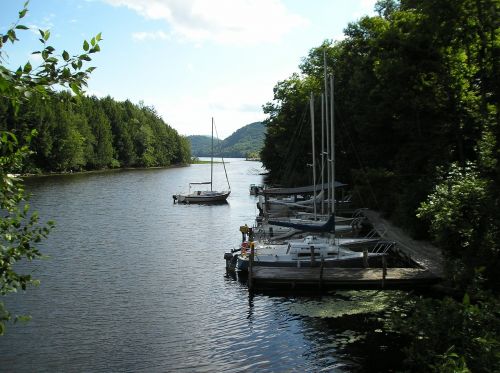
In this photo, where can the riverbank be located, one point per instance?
(61, 173)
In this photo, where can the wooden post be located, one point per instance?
(365, 258)
(250, 267)
(384, 270)
(321, 266)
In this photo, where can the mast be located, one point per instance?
(214, 127)
(334, 210)
(212, 158)
(328, 160)
(313, 154)
(322, 151)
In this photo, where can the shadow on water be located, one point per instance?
(352, 326)
(136, 283)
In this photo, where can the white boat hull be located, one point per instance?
(202, 197)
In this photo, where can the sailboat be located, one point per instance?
(205, 196)
(312, 249)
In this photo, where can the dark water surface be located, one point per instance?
(135, 283)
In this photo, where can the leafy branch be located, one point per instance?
(20, 229)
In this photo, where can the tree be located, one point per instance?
(20, 229)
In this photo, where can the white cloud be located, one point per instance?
(35, 59)
(221, 21)
(232, 106)
(155, 35)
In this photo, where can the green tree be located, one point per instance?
(20, 229)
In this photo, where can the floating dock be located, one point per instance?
(268, 277)
(427, 267)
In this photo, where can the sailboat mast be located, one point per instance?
(328, 163)
(212, 158)
(322, 151)
(333, 144)
(313, 154)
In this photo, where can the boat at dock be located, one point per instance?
(256, 189)
(205, 196)
(306, 252)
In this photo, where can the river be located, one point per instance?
(135, 283)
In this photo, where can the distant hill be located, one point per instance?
(247, 141)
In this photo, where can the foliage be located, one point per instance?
(20, 229)
(54, 71)
(461, 218)
(416, 88)
(417, 132)
(451, 336)
(87, 133)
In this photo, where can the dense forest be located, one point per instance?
(76, 133)
(417, 135)
(245, 142)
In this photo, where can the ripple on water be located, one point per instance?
(136, 283)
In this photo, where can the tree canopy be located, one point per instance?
(417, 132)
(87, 133)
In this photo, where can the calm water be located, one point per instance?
(135, 283)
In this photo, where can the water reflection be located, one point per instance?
(136, 283)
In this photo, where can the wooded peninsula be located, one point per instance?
(79, 133)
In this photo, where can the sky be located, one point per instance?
(189, 59)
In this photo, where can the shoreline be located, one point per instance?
(119, 169)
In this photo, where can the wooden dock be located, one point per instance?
(427, 259)
(423, 253)
(264, 277)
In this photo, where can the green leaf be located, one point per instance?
(12, 35)
(75, 88)
(23, 12)
(98, 37)
(65, 55)
(466, 300)
(85, 45)
(46, 35)
(21, 27)
(3, 84)
(27, 68)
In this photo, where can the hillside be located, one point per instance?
(246, 140)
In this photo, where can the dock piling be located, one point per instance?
(250, 266)
(384, 270)
(365, 258)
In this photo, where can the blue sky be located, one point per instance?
(189, 59)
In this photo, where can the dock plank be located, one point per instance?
(422, 252)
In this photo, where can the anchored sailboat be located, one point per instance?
(206, 196)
